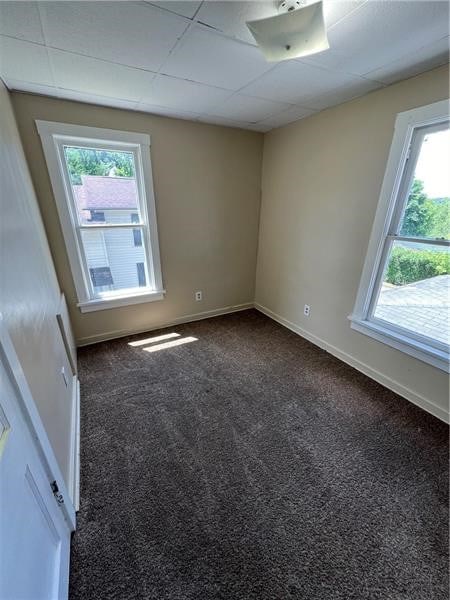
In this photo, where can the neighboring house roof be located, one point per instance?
(105, 193)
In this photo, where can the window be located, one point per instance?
(104, 193)
(102, 278)
(137, 236)
(97, 216)
(141, 273)
(404, 296)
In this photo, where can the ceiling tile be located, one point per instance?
(127, 33)
(290, 115)
(230, 17)
(216, 120)
(95, 99)
(381, 32)
(336, 10)
(24, 61)
(260, 127)
(21, 20)
(248, 109)
(184, 95)
(209, 58)
(343, 94)
(185, 9)
(296, 82)
(167, 112)
(91, 76)
(425, 58)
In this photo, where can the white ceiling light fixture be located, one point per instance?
(298, 30)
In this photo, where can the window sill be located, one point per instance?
(116, 301)
(432, 356)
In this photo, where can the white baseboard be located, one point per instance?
(74, 467)
(110, 335)
(391, 384)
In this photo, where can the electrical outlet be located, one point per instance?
(198, 296)
(306, 310)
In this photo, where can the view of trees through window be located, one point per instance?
(89, 161)
(424, 217)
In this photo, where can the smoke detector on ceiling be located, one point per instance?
(298, 30)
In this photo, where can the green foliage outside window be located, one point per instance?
(88, 161)
(408, 265)
(424, 217)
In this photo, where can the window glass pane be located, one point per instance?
(112, 257)
(103, 183)
(427, 212)
(141, 274)
(415, 289)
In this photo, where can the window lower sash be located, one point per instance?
(404, 342)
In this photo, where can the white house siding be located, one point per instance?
(115, 249)
(95, 249)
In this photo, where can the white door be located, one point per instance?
(34, 527)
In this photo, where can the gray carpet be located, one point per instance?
(250, 464)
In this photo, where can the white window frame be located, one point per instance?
(54, 137)
(400, 168)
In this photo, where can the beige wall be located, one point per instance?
(29, 291)
(207, 186)
(320, 188)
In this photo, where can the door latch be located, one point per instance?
(58, 496)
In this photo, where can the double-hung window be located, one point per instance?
(404, 295)
(103, 188)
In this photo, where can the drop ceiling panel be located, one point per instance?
(167, 112)
(344, 93)
(155, 57)
(296, 82)
(185, 9)
(294, 113)
(216, 120)
(95, 99)
(206, 57)
(127, 33)
(25, 61)
(428, 57)
(381, 32)
(184, 95)
(230, 17)
(21, 20)
(246, 108)
(92, 76)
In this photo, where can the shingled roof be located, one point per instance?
(105, 193)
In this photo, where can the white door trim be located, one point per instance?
(33, 420)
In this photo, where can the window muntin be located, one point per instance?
(103, 184)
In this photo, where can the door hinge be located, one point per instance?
(58, 496)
